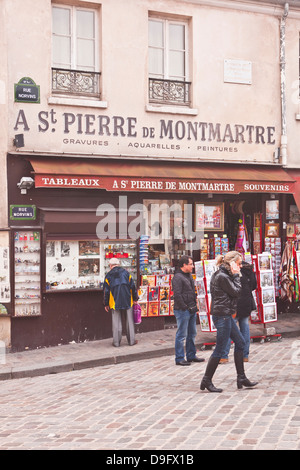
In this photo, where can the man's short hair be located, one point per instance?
(184, 260)
(114, 262)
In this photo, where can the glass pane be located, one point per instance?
(61, 50)
(176, 65)
(85, 54)
(61, 21)
(156, 62)
(156, 33)
(85, 24)
(176, 36)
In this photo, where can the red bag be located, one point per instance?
(137, 314)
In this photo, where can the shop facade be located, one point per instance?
(195, 158)
(61, 252)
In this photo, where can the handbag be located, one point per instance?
(137, 314)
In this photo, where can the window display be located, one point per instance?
(83, 264)
(27, 295)
(4, 269)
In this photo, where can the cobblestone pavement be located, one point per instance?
(154, 405)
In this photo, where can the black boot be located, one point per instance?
(241, 377)
(206, 382)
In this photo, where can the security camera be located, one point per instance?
(25, 183)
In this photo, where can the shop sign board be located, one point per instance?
(159, 184)
(22, 212)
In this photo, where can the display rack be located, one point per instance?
(156, 295)
(203, 271)
(27, 273)
(126, 252)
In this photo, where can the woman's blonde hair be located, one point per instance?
(228, 258)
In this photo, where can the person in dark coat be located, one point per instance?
(225, 287)
(245, 305)
(120, 294)
(185, 311)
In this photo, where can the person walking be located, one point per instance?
(185, 311)
(245, 305)
(225, 287)
(120, 294)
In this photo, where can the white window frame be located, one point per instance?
(73, 34)
(166, 24)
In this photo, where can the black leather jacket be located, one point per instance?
(225, 289)
(183, 290)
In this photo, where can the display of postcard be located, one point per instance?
(268, 295)
(200, 286)
(164, 308)
(143, 294)
(209, 267)
(148, 281)
(172, 307)
(204, 323)
(164, 293)
(153, 294)
(153, 309)
(267, 279)
(269, 313)
(199, 269)
(163, 280)
(264, 261)
(144, 308)
(202, 304)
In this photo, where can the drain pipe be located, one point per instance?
(283, 142)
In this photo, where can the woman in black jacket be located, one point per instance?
(225, 290)
(245, 305)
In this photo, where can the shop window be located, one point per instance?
(83, 264)
(75, 69)
(168, 62)
(166, 231)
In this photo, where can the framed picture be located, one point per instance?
(266, 279)
(204, 323)
(264, 261)
(209, 217)
(290, 230)
(269, 313)
(272, 230)
(294, 215)
(272, 209)
(268, 295)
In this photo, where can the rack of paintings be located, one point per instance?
(204, 269)
(265, 294)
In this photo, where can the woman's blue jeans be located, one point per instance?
(227, 329)
(245, 330)
(186, 332)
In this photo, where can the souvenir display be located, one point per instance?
(27, 274)
(4, 269)
(204, 270)
(265, 294)
(155, 295)
(83, 264)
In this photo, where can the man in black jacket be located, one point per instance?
(185, 303)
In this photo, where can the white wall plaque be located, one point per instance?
(237, 71)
